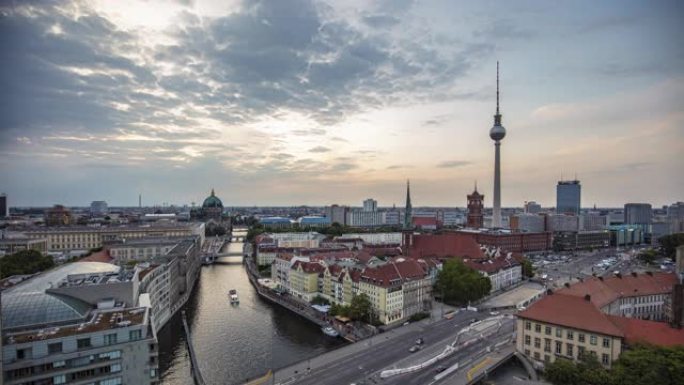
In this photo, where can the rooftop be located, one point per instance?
(571, 311)
(604, 290)
(649, 332)
(97, 322)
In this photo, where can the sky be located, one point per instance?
(311, 102)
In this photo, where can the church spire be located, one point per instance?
(409, 210)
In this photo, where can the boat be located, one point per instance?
(330, 331)
(233, 296)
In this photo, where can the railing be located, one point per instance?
(196, 373)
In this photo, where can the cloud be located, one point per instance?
(453, 163)
(319, 149)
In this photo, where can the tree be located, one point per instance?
(460, 284)
(527, 268)
(648, 256)
(318, 300)
(562, 372)
(670, 244)
(360, 308)
(24, 262)
(649, 365)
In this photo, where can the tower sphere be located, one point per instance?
(497, 132)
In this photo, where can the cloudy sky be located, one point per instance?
(315, 102)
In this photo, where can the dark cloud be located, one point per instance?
(453, 163)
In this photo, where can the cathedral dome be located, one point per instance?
(212, 201)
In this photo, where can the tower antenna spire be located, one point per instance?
(497, 87)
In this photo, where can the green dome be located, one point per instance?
(212, 201)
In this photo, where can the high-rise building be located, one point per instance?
(497, 133)
(532, 207)
(638, 214)
(408, 212)
(568, 197)
(475, 210)
(99, 208)
(337, 214)
(370, 205)
(4, 208)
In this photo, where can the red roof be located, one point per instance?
(650, 332)
(493, 265)
(571, 311)
(100, 256)
(604, 291)
(445, 245)
(309, 267)
(393, 273)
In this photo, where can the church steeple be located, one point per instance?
(409, 210)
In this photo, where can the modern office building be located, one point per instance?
(4, 206)
(393, 217)
(357, 218)
(98, 208)
(532, 207)
(337, 214)
(593, 221)
(497, 133)
(568, 197)
(562, 222)
(370, 205)
(638, 214)
(626, 235)
(79, 323)
(527, 223)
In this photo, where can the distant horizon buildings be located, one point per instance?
(568, 197)
(638, 214)
(99, 208)
(4, 207)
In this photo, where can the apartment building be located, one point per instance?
(304, 279)
(503, 272)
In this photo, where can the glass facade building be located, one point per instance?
(568, 197)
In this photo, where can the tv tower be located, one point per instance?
(497, 133)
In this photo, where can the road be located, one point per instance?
(359, 361)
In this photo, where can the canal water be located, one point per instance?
(235, 343)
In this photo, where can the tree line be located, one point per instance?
(24, 262)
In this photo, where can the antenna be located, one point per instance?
(497, 87)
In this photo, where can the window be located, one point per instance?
(569, 352)
(134, 335)
(537, 328)
(606, 342)
(547, 345)
(547, 330)
(569, 335)
(547, 358)
(55, 348)
(23, 353)
(527, 352)
(61, 379)
(605, 359)
(559, 333)
(537, 342)
(536, 355)
(580, 351)
(59, 364)
(593, 340)
(580, 337)
(527, 340)
(528, 325)
(559, 347)
(112, 381)
(115, 368)
(110, 339)
(83, 343)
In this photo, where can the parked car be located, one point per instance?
(420, 341)
(440, 368)
(414, 348)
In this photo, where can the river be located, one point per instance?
(235, 343)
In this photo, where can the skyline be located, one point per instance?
(311, 102)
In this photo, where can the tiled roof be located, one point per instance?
(445, 245)
(656, 333)
(309, 267)
(604, 291)
(571, 311)
(393, 273)
(493, 265)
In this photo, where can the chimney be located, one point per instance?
(600, 278)
(634, 274)
(549, 291)
(618, 275)
(567, 284)
(650, 273)
(587, 298)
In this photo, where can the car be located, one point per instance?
(472, 321)
(440, 368)
(414, 348)
(420, 341)
(493, 313)
(406, 323)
